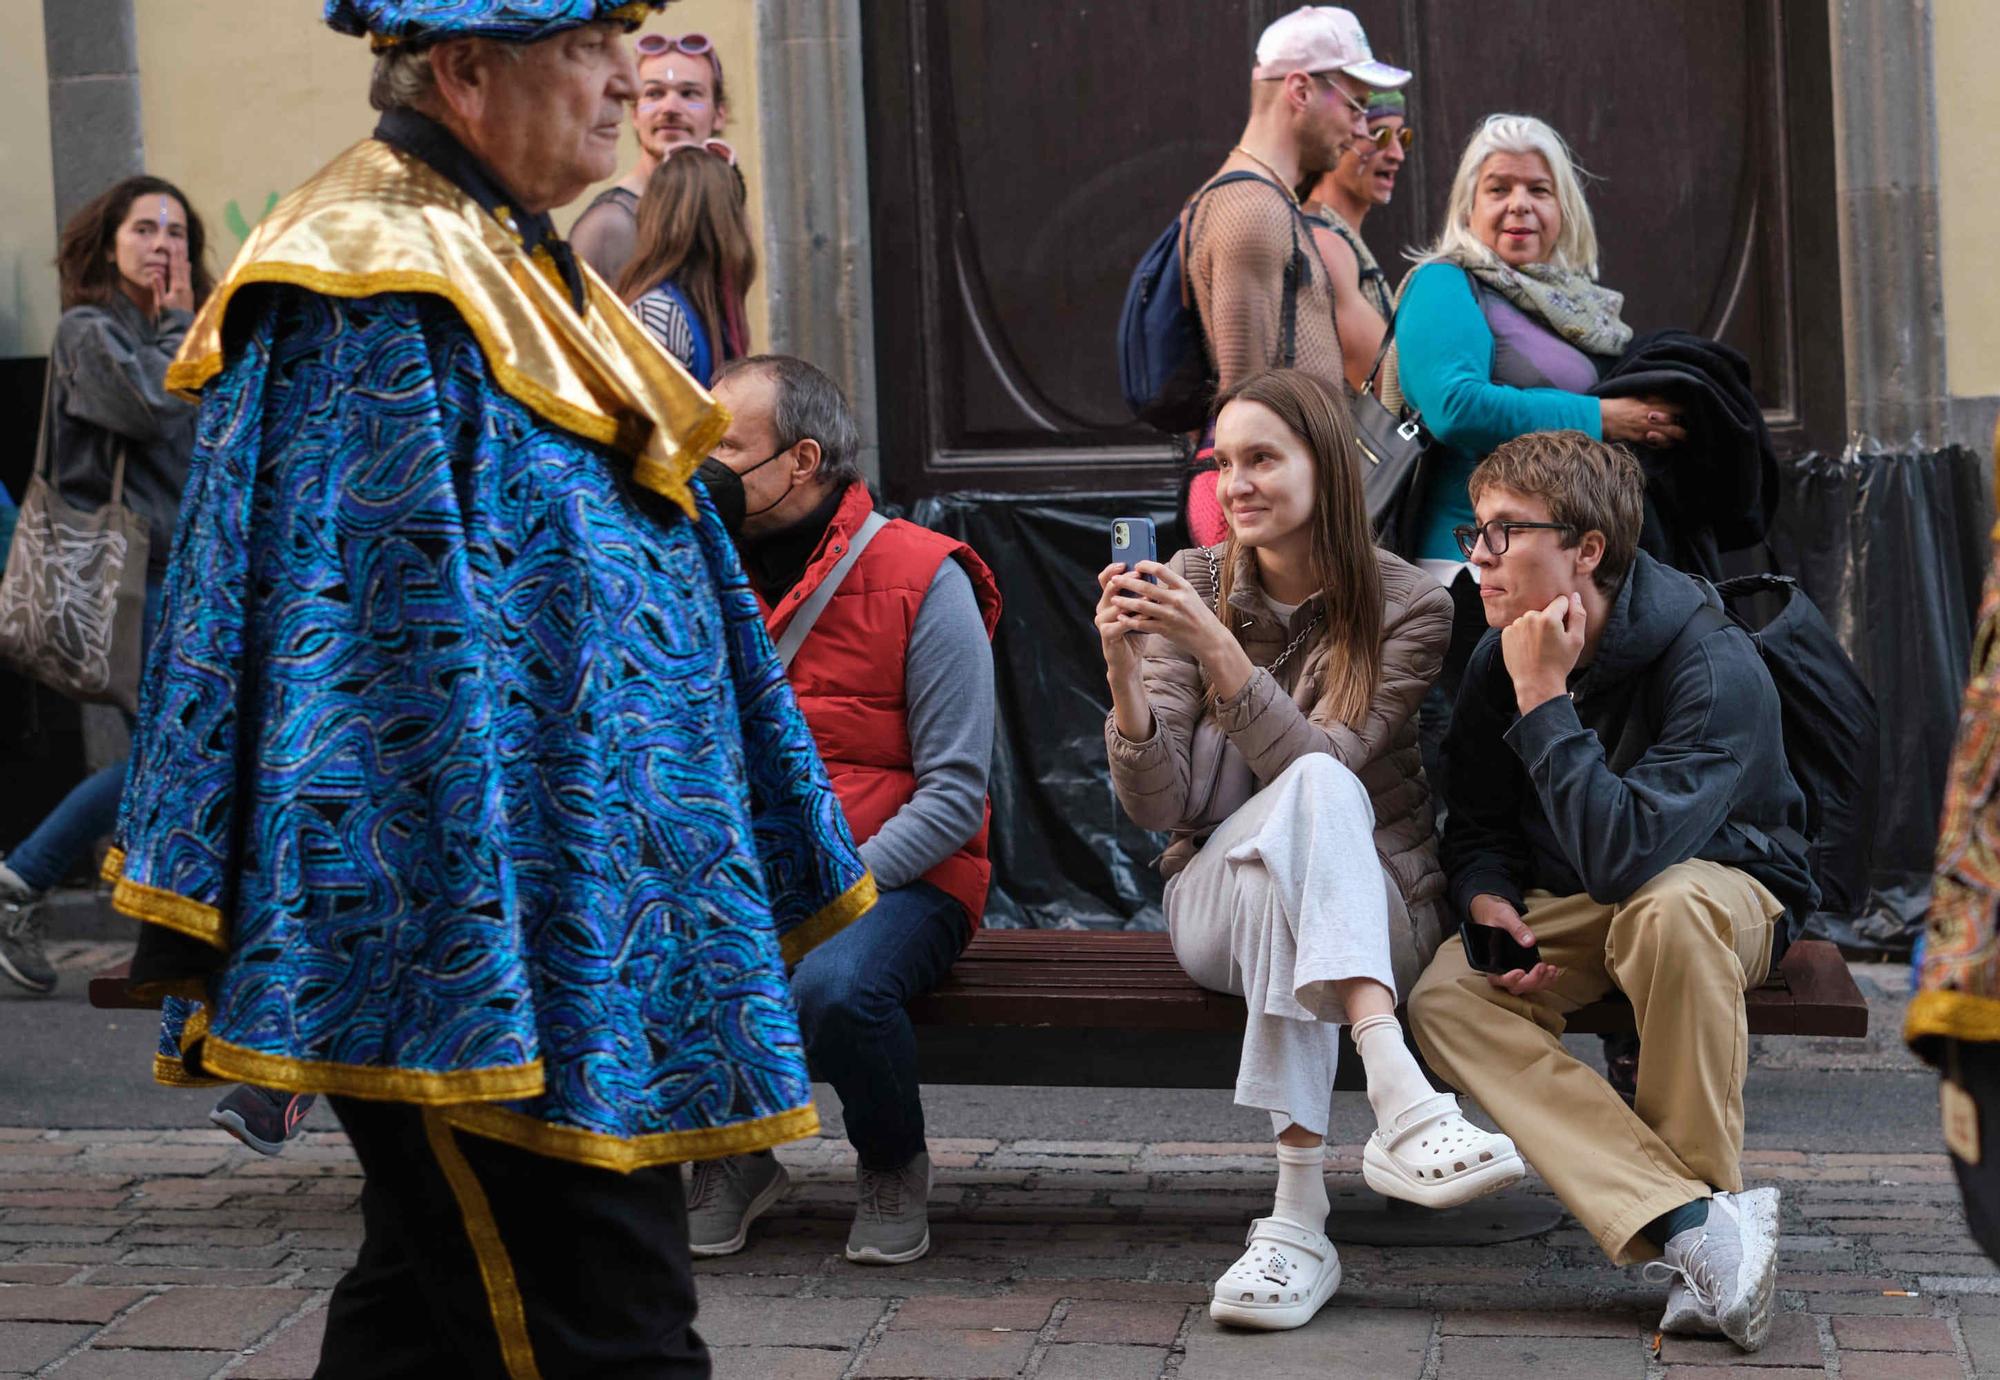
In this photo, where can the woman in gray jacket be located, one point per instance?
(132, 273)
(1264, 694)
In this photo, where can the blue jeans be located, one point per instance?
(851, 992)
(90, 810)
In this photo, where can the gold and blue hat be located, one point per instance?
(390, 22)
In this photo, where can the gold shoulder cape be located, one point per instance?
(379, 220)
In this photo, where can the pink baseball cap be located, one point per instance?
(1322, 38)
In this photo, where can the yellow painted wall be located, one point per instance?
(244, 99)
(1966, 37)
(28, 209)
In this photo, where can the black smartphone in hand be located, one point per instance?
(1489, 949)
(1132, 541)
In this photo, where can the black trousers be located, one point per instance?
(482, 1260)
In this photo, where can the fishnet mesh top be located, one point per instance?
(1239, 242)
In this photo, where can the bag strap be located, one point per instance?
(802, 623)
(1194, 203)
(1388, 339)
(48, 420)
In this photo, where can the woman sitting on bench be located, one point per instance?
(1267, 718)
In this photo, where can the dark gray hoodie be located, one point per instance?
(1534, 802)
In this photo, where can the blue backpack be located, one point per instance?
(1163, 363)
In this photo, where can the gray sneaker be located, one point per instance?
(22, 957)
(1684, 1317)
(1729, 1264)
(892, 1225)
(725, 1196)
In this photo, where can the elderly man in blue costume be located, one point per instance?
(467, 789)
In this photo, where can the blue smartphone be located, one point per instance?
(1133, 541)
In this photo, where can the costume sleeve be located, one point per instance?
(1445, 354)
(117, 381)
(948, 693)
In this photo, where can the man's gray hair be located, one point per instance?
(808, 405)
(404, 79)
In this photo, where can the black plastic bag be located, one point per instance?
(1064, 855)
(1892, 548)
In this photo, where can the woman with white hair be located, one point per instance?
(1502, 330)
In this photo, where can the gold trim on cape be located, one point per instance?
(169, 910)
(1952, 1016)
(421, 1087)
(379, 220)
(496, 1269)
(830, 920)
(625, 1154)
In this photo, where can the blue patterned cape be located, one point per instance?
(465, 772)
(514, 21)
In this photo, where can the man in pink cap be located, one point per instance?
(1262, 293)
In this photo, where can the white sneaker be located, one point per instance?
(1729, 1264)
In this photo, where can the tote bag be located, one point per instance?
(73, 600)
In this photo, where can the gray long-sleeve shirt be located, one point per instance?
(948, 691)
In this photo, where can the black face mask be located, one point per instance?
(725, 491)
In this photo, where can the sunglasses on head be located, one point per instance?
(694, 45)
(721, 148)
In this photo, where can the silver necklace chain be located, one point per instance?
(1215, 584)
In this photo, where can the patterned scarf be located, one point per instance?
(1581, 311)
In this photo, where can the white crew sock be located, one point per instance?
(1396, 1081)
(1302, 1186)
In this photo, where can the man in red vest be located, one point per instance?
(885, 628)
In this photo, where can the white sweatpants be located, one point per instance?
(1286, 899)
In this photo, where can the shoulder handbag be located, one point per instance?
(1392, 453)
(73, 600)
(1219, 779)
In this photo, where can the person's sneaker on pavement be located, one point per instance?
(22, 956)
(1683, 1316)
(262, 1118)
(892, 1224)
(1729, 1264)
(725, 1196)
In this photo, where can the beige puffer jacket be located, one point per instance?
(1273, 721)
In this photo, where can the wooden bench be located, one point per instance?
(1061, 1008)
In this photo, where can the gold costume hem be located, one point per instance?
(1952, 1016)
(168, 909)
(422, 1088)
(496, 1267)
(173, 1073)
(832, 918)
(625, 1154)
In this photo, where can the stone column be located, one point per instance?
(95, 133)
(815, 156)
(1892, 294)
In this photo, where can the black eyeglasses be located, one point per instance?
(1498, 534)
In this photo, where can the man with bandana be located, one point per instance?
(681, 101)
(1339, 200)
(467, 790)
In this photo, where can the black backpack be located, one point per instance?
(1832, 731)
(1163, 363)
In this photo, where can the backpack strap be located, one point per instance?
(1187, 218)
(802, 622)
(1649, 708)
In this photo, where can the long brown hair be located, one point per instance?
(692, 230)
(1344, 563)
(85, 259)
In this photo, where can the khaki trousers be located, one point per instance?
(1684, 949)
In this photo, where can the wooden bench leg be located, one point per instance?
(1359, 1221)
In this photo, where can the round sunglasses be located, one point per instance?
(1386, 136)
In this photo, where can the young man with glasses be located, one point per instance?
(1264, 298)
(1620, 807)
(681, 101)
(1339, 200)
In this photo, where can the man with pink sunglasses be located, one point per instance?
(681, 101)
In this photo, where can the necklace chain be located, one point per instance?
(1215, 583)
(1269, 169)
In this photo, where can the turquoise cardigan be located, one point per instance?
(1444, 352)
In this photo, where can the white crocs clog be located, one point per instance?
(1280, 1282)
(1434, 1157)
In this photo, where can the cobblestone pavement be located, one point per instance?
(161, 1254)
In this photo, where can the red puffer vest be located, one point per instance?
(848, 675)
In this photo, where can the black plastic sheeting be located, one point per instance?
(1064, 855)
(1893, 549)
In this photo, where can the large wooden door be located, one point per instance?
(1023, 153)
